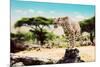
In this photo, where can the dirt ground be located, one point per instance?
(87, 53)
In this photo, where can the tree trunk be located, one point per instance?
(92, 38)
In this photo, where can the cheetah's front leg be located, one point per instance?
(72, 40)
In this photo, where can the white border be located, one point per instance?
(5, 31)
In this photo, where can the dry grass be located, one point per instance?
(87, 53)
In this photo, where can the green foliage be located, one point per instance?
(13, 35)
(63, 45)
(88, 25)
(18, 36)
(21, 22)
(43, 36)
(43, 21)
(23, 36)
(29, 36)
(51, 36)
(39, 35)
(37, 25)
(35, 21)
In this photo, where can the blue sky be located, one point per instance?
(21, 9)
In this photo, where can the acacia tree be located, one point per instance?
(88, 25)
(37, 25)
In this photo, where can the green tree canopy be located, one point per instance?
(37, 25)
(35, 21)
(88, 25)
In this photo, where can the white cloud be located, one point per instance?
(76, 16)
(52, 12)
(80, 17)
(18, 11)
(76, 13)
(40, 12)
(24, 12)
(31, 10)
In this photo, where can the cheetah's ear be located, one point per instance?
(64, 18)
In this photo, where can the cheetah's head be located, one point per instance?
(59, 21)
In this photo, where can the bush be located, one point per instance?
(16, 46)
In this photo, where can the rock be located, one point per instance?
(71, 56)
(30, 60)
(86, 43)
(16, 46)
(19, 64)
(14, 59)
(34, 47)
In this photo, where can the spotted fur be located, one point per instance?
(71, 29)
